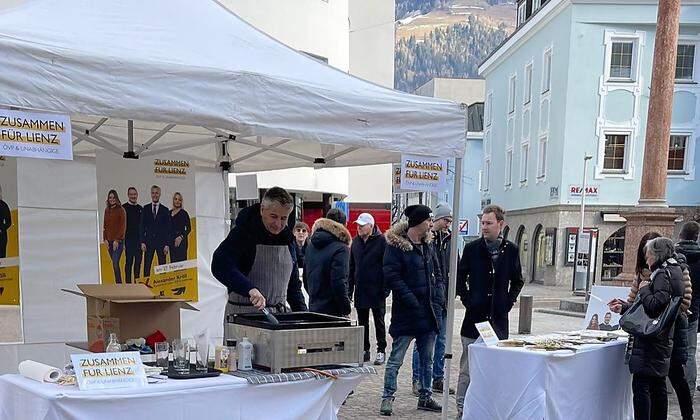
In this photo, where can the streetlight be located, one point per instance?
(581, 271)
(586, 158)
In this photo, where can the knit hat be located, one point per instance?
(443, 210)
(417, 214)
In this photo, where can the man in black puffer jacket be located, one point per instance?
(327, 265)
(412, 272)
(688, 247)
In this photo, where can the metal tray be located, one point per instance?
(193, 374)
(291, 321)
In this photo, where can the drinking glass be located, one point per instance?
(201, 357)
(162, 350)
(181, 355)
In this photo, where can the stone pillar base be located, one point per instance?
(640, 221)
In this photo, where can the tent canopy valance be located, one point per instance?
(205, 76)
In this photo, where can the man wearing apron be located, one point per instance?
(257, 261)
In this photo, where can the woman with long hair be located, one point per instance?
(593, 324)
(649, 358)
(180, 222)
(113, 231)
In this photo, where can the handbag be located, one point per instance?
(636, 321)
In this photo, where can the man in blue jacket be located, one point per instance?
(257, 262)
(412, 272)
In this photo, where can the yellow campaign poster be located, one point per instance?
(148, 229)
(9, 233)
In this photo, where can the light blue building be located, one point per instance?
(573, 80)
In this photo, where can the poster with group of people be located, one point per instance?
(9, 237)
(598, 315)
(148, 230)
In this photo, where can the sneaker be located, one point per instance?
(386, 409)
(379, 360)
(416, 388)
(439, 385)
(367, 356)
(429, 404)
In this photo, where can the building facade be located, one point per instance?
(354, 36)
(573, 81)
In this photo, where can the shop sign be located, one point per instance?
(35, 135)
(423, 173)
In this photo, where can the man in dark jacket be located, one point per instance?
(441, 244)
(412, 272)
(256, 262)
(367, 281)
(489, 280)
(688, 246)
(327, 265)
(5, 223)
(301, 236)
(155, 231)
(133, 252)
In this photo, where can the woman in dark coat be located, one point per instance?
(676, 374)
(180, 222)
(650, 357)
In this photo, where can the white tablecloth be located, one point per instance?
(223, 397)
(514, 383)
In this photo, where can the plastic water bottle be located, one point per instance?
(113, 346)
(245, 354)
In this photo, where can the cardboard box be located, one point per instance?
(129, 310)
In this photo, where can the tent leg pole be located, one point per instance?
(452, 287)
(129, 154)
(225, 164)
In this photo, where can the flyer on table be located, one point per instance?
(148, 230)
(9, 233)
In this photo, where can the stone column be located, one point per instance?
(653, 213)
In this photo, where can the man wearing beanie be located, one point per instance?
(441, 237)
(327, 265)
(489, 280)
(412, 272)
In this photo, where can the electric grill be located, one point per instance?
(301, 339)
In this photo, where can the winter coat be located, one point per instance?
(413, 274)
(327, 268)
(488, 291)
(651, 356)
(234, 258)
(442, 244)
(367, 272)
(691, 251)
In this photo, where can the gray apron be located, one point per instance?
(270, 274)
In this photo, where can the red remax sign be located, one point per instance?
(576, 190)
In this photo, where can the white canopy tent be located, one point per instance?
(146, 77)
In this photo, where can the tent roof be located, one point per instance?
(197, 65)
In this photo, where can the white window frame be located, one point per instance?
(637, 40)
(524, 162)
(688, 172)
(508, 173)
(527, 117)
(536, 4)
(626, 172)
(542, 158)
(547, 64)
(489, 108)
(527, 83)
(510, 134)
(512, 88)
(521, 13)
(486, 176)
(690, 40)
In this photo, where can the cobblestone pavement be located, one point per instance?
(364, 404)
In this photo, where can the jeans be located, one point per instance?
(115, 255)
(438, 354)
(679, 382)
(378, 314)
(425, 344)
(649, 397)
(133, 260)
(691, 370)
(463, 381)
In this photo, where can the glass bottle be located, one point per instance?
(113, 346)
